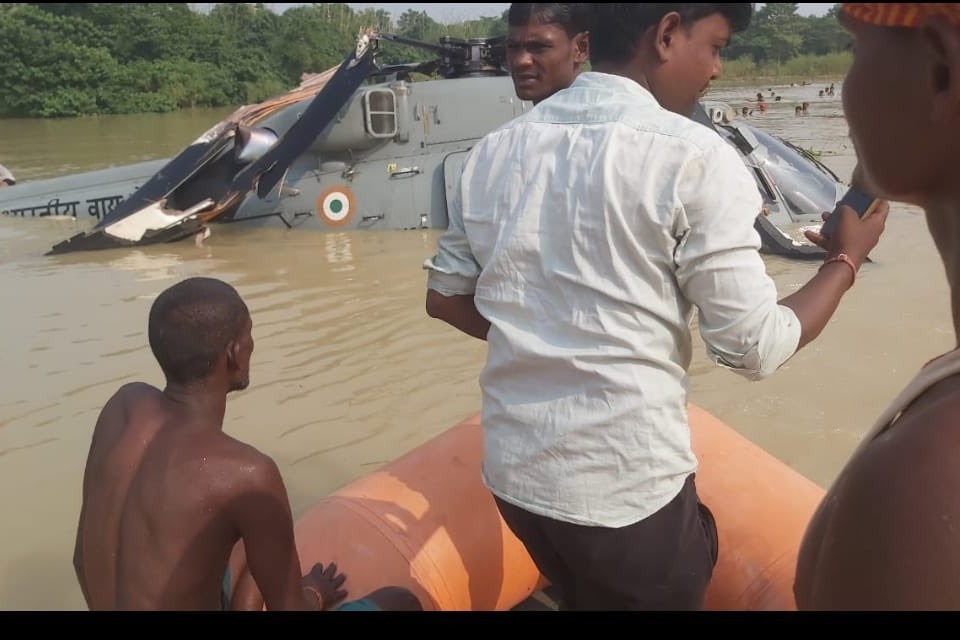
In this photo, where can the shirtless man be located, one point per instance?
(167, 495)
(547, 44)
(885, 536)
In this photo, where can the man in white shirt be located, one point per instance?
(546, 46)
(581, 238)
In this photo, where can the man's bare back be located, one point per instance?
(167, 495)
(175, 482)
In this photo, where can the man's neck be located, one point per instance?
(205, 404)
(631, 71)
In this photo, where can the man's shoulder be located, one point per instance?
(130, 399)
(681, 129)
(922, 443)
(497, 133)
(633, 120)
(242, 459)
(932, 419)
(623, 103)
(134, 391)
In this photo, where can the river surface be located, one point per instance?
(348, 371)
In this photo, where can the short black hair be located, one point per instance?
(191, 324)
(573, 17)
(617, 27)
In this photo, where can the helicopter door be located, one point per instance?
(452, 167)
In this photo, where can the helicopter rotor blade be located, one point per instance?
(435, 48)
(426, 68)
(267, 172)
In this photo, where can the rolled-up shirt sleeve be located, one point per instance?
(720, 270)
(453, 270)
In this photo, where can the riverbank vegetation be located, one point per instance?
(64, 60)
(803, 67)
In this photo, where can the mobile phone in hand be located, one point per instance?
(860, 202)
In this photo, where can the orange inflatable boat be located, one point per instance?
(426, 522)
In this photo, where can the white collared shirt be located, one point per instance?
(589, 229)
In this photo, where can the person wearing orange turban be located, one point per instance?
(887, 534)
(901, 14)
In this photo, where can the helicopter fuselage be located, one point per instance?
(389, 160)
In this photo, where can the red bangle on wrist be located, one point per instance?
(842, 257)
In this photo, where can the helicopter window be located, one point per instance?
(381, 108)
(806, 184)
(789, 161)
(762, 179)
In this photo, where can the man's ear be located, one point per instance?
(942, 41)
(233, 355)
(666, 34)
(581, 46)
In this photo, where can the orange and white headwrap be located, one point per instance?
(901, 14)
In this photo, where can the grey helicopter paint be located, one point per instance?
(371, 150)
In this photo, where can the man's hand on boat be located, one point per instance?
(325, 583)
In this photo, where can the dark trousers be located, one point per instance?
(662, 563)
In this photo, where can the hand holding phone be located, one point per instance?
(861, 203)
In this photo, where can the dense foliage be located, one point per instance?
(62, 59)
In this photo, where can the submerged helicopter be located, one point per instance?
(362, 146)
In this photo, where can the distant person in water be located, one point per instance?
(547, 45)
(6, 178)
(167, 495)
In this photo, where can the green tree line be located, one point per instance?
(777, 34)
(76, 59)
